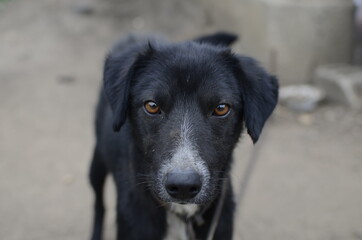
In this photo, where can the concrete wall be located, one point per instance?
(290, 37)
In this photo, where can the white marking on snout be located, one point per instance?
(186, 156)
(186, 130)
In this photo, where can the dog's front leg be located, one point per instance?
(141, 221)
(97, 177)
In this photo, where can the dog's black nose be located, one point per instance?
(183, 185)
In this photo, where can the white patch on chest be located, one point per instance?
(176, 227)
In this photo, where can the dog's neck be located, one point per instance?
(181, 228)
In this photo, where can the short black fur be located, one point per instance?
(188, 80)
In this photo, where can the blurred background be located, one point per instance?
(303, 180)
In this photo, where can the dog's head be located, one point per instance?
(187, 104)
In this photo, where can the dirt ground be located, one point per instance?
(306, 182)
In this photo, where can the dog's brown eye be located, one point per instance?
(152, 107)
(221, 110)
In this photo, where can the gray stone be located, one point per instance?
(290, 37)
(341, 82)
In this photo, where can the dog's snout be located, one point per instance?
(183, 185)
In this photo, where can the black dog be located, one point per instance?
(177, 111)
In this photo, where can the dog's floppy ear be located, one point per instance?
(219, 39)
(259, 94)
(119, 69)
